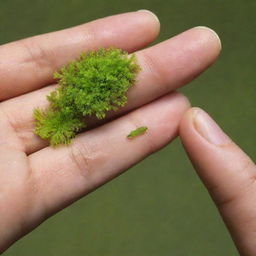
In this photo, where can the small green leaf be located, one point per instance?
(137, 132)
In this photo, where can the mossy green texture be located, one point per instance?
(92, 85)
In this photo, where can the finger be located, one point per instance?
(165, 67)
(35, 59)
(65, 174)
(228, 173)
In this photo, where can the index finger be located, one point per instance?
(28, 64)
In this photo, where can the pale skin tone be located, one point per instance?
(228, 174)
(37, 181)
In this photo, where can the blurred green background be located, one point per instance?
(158, 207)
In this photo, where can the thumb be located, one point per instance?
(227, 172)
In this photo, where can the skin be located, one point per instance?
(36, 180)
(228, 174)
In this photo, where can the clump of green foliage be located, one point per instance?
(92, 85)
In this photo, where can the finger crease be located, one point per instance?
(38, 56)
(81, 156)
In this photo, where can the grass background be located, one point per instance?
(158, 207)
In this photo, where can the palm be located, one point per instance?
(37, 180)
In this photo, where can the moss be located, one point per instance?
(91, 86)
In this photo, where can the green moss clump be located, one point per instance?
(94, 84)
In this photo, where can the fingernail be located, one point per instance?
(154, 15)
(208, 129)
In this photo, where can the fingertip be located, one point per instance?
(171, 108)
(187, 131)
(187, 118)
(152, 21)
(209, 37)
(183, 106)
(174, 105)
(212, 33)
(152, 14)
(182, 101)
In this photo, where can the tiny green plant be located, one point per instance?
(92, 85)
(137, 132)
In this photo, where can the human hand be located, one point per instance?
(227, 172)
(36, 180)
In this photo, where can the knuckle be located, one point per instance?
(249, 170)
(83, 158)
(36, 54)
(89, 34)
(151, 66)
